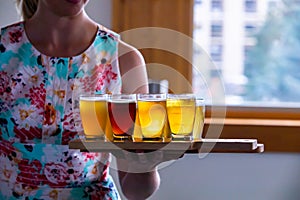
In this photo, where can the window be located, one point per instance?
(250, 6)
(217, 5)
(198, 2)
(260, 63)
(216, 29)
(216, 52)
(250, 30)
(273, 121)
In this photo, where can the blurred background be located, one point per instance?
(253, 47)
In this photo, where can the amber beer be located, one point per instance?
(181, 114)
(93, 113)
(122, 112)
(152, 115)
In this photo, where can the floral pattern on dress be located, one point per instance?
(39, 116)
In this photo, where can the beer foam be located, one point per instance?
(121, 101)
(93, 98)
(152, 100)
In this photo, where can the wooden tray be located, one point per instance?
(196, 146)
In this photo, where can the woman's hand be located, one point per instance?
(138, 173)
(141, 161)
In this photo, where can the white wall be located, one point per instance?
(100, 11)
(8, 12)
(265, 176)
(232, 177)
(218, 176)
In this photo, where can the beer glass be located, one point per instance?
(199, 118)
(152, 115)
(122, 111)
(181, 115)
(93, 113)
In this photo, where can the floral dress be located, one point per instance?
(39, 115)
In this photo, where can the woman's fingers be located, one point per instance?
(140, 161)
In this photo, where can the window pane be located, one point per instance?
(256, 56)
(250, 29)
(216, 52)
(217, 5)
(216, 29)
(250, 6)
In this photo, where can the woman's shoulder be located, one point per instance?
(12, 34)
(106, 33)
(16, 25)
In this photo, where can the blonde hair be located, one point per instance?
(27, 8)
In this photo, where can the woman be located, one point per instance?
(42, 60)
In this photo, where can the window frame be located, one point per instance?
(278, 128)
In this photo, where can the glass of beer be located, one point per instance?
(93, 113)
(122, 112)
(181, 115)
(199, 118)
(152, 116)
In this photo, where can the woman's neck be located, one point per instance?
(60, 36)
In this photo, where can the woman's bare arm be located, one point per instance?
(133, 70)
(134, 80)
